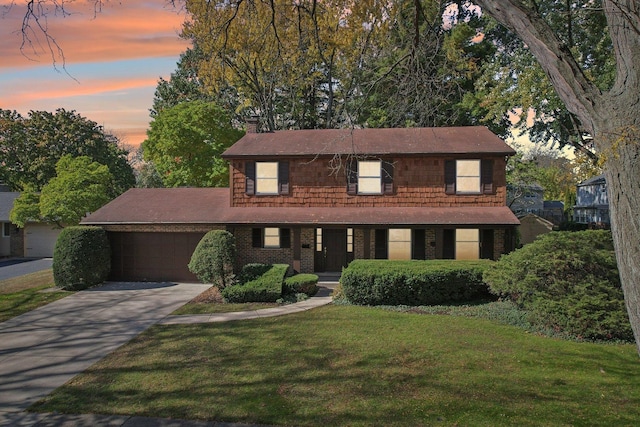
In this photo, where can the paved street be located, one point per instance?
(18, 267)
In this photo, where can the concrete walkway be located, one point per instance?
(43, 349)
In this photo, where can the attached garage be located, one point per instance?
(152, 256)
(39, 240)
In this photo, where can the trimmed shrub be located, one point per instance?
(265, 288)
(301, 284)
(251, 272)
(384, 282)
(568, 283)
(81, 258)
(212, 260)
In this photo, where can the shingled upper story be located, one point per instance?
(316, 199)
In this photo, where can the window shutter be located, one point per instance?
(449, 244)
(450, 177)
(352, 178)
(419, 244)
(387, 177)
(256, 237)
(486, 244)
(381, 244)
(285, 238)
(283, 178)
(250, 177)
(486, 176)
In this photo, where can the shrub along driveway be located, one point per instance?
(42, 349)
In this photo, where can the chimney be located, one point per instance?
(252, 124)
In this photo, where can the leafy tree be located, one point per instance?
(80, 186)
(31, 146)
(607, 111)
(212, 260)
(185, 143)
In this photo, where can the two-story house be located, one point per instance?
(592, 203)
(317, 199)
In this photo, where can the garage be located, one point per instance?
(152, 256)
(39, 240)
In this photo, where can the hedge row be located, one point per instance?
(265, 288)
(383, 282)
(301, 284)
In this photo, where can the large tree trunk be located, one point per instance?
(612, 118)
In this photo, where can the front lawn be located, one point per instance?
(350, 366)
(25, 293)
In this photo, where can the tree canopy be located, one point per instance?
(31, 146)
(185, 142)
(79, 187)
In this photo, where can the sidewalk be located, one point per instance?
(42, 349)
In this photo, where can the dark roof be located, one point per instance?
(553, 204)
(212, 206)
(472, 140)
(596, 180)
(6, 204)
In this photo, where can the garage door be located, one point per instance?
(156, 257)
(39, 240)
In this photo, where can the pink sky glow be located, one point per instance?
(112, 62)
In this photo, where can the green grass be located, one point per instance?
(212, 308)
(27, 281)
(358, 366)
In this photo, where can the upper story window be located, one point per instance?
(370, 177)
(266, 178)
(468, 176)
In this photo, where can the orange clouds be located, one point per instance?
(131, 29)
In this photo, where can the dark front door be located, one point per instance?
(334, 250)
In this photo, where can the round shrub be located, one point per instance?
(301, 284)
(212, 260)
(568, 283)
(81, 258)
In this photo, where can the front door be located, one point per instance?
(331, 252)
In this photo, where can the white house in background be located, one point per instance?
(36, 240)
(592, 203)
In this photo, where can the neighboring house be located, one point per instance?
(525, 199)
(532, 226)
(36, 240)
(592, 203)
(317, 199)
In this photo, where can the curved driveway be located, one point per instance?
(42, 349)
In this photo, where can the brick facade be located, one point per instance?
(417, 181)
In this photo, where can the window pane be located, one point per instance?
(319, 239)
(271, 237)
(399, 243)
(349, 240)
(369, 168)
(267, 177)
(468, 176)
(467, 243)
(369, 185)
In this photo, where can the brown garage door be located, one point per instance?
(152, 256)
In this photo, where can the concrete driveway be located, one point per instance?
(18, 266)
(43, 349)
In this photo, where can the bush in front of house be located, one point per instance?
(265, 288)
(301, 284)
(568, 283)
(81, 258)
(212, 260)
(385, 282)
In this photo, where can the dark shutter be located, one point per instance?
(387, 177)
(285, 238)
(381, 244)
(250, 177)
(283, 178)
(352, 178)
(450, 176)
(486, 176)
(486, 240)
(449, 244)
(419, 242)
(256, 237)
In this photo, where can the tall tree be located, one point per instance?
(80, 186)
(185, 143)
(31, 146)
(611, 115)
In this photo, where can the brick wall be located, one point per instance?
(418, 181)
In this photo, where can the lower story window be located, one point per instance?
(399, 243)
(467, 243)
(271, 238)
(6, 229)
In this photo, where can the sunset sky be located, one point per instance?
(113, 61)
